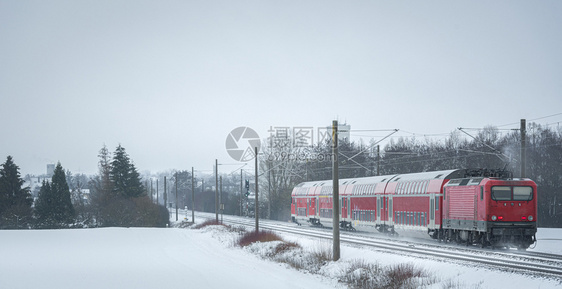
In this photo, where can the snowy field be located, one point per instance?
(186, 258)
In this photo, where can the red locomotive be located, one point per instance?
(489, 208)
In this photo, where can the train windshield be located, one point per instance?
(508, 193)
(522, 193)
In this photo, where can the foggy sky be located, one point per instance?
(168, 80)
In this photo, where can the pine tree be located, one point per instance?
(15, 201)
(54, 206)
(64, 211)
(124, 176)
(43, 206)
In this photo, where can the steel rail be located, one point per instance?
(554, 269)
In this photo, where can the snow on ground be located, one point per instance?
(152, 258)
(461, 274)
(549, 241)
(137, 258)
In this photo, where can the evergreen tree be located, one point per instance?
(15, 201)
(43, 206)
(54, 207)
(124, 176)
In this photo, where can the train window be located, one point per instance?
(501, 193)
(481, 193)
(522, 193)
(444, 194)
(437, 204)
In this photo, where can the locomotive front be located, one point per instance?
(498, 212)
(511, 212)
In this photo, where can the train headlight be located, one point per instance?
(494, 217)
(530, 218)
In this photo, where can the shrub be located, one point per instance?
(259, 236)
(322, 253)
(285, 247)
(361, 274)
(209, 222)
(133, 212)
(404, 275)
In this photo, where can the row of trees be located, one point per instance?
(53, 208)
(117, 197)
(286, 166)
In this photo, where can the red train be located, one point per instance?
(484, 207)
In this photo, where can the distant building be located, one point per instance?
(50, 170)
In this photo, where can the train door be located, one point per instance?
(384, 209)
(343, 212)
(431, 211)
(378, 209)
(317, 207)
(348, 207)
(390, 211)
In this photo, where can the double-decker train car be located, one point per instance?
(484, 207)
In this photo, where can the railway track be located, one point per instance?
(533, 263)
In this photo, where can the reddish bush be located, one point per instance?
(260, 236)
(210, 222)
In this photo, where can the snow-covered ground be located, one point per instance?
(186, 258)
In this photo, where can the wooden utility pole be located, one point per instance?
(165, 194)
(336, 193)
(257, 208)
(220, 198)
(192, 197)
(378, 160)
(523, 147)
(241, 191)
(217, 190)
(269, 189)
(176, 196)
(151, 191)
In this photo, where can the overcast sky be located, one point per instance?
(169, 80)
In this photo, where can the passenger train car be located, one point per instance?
(489, 208)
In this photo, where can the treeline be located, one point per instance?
(286, 166)
(117, 198)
